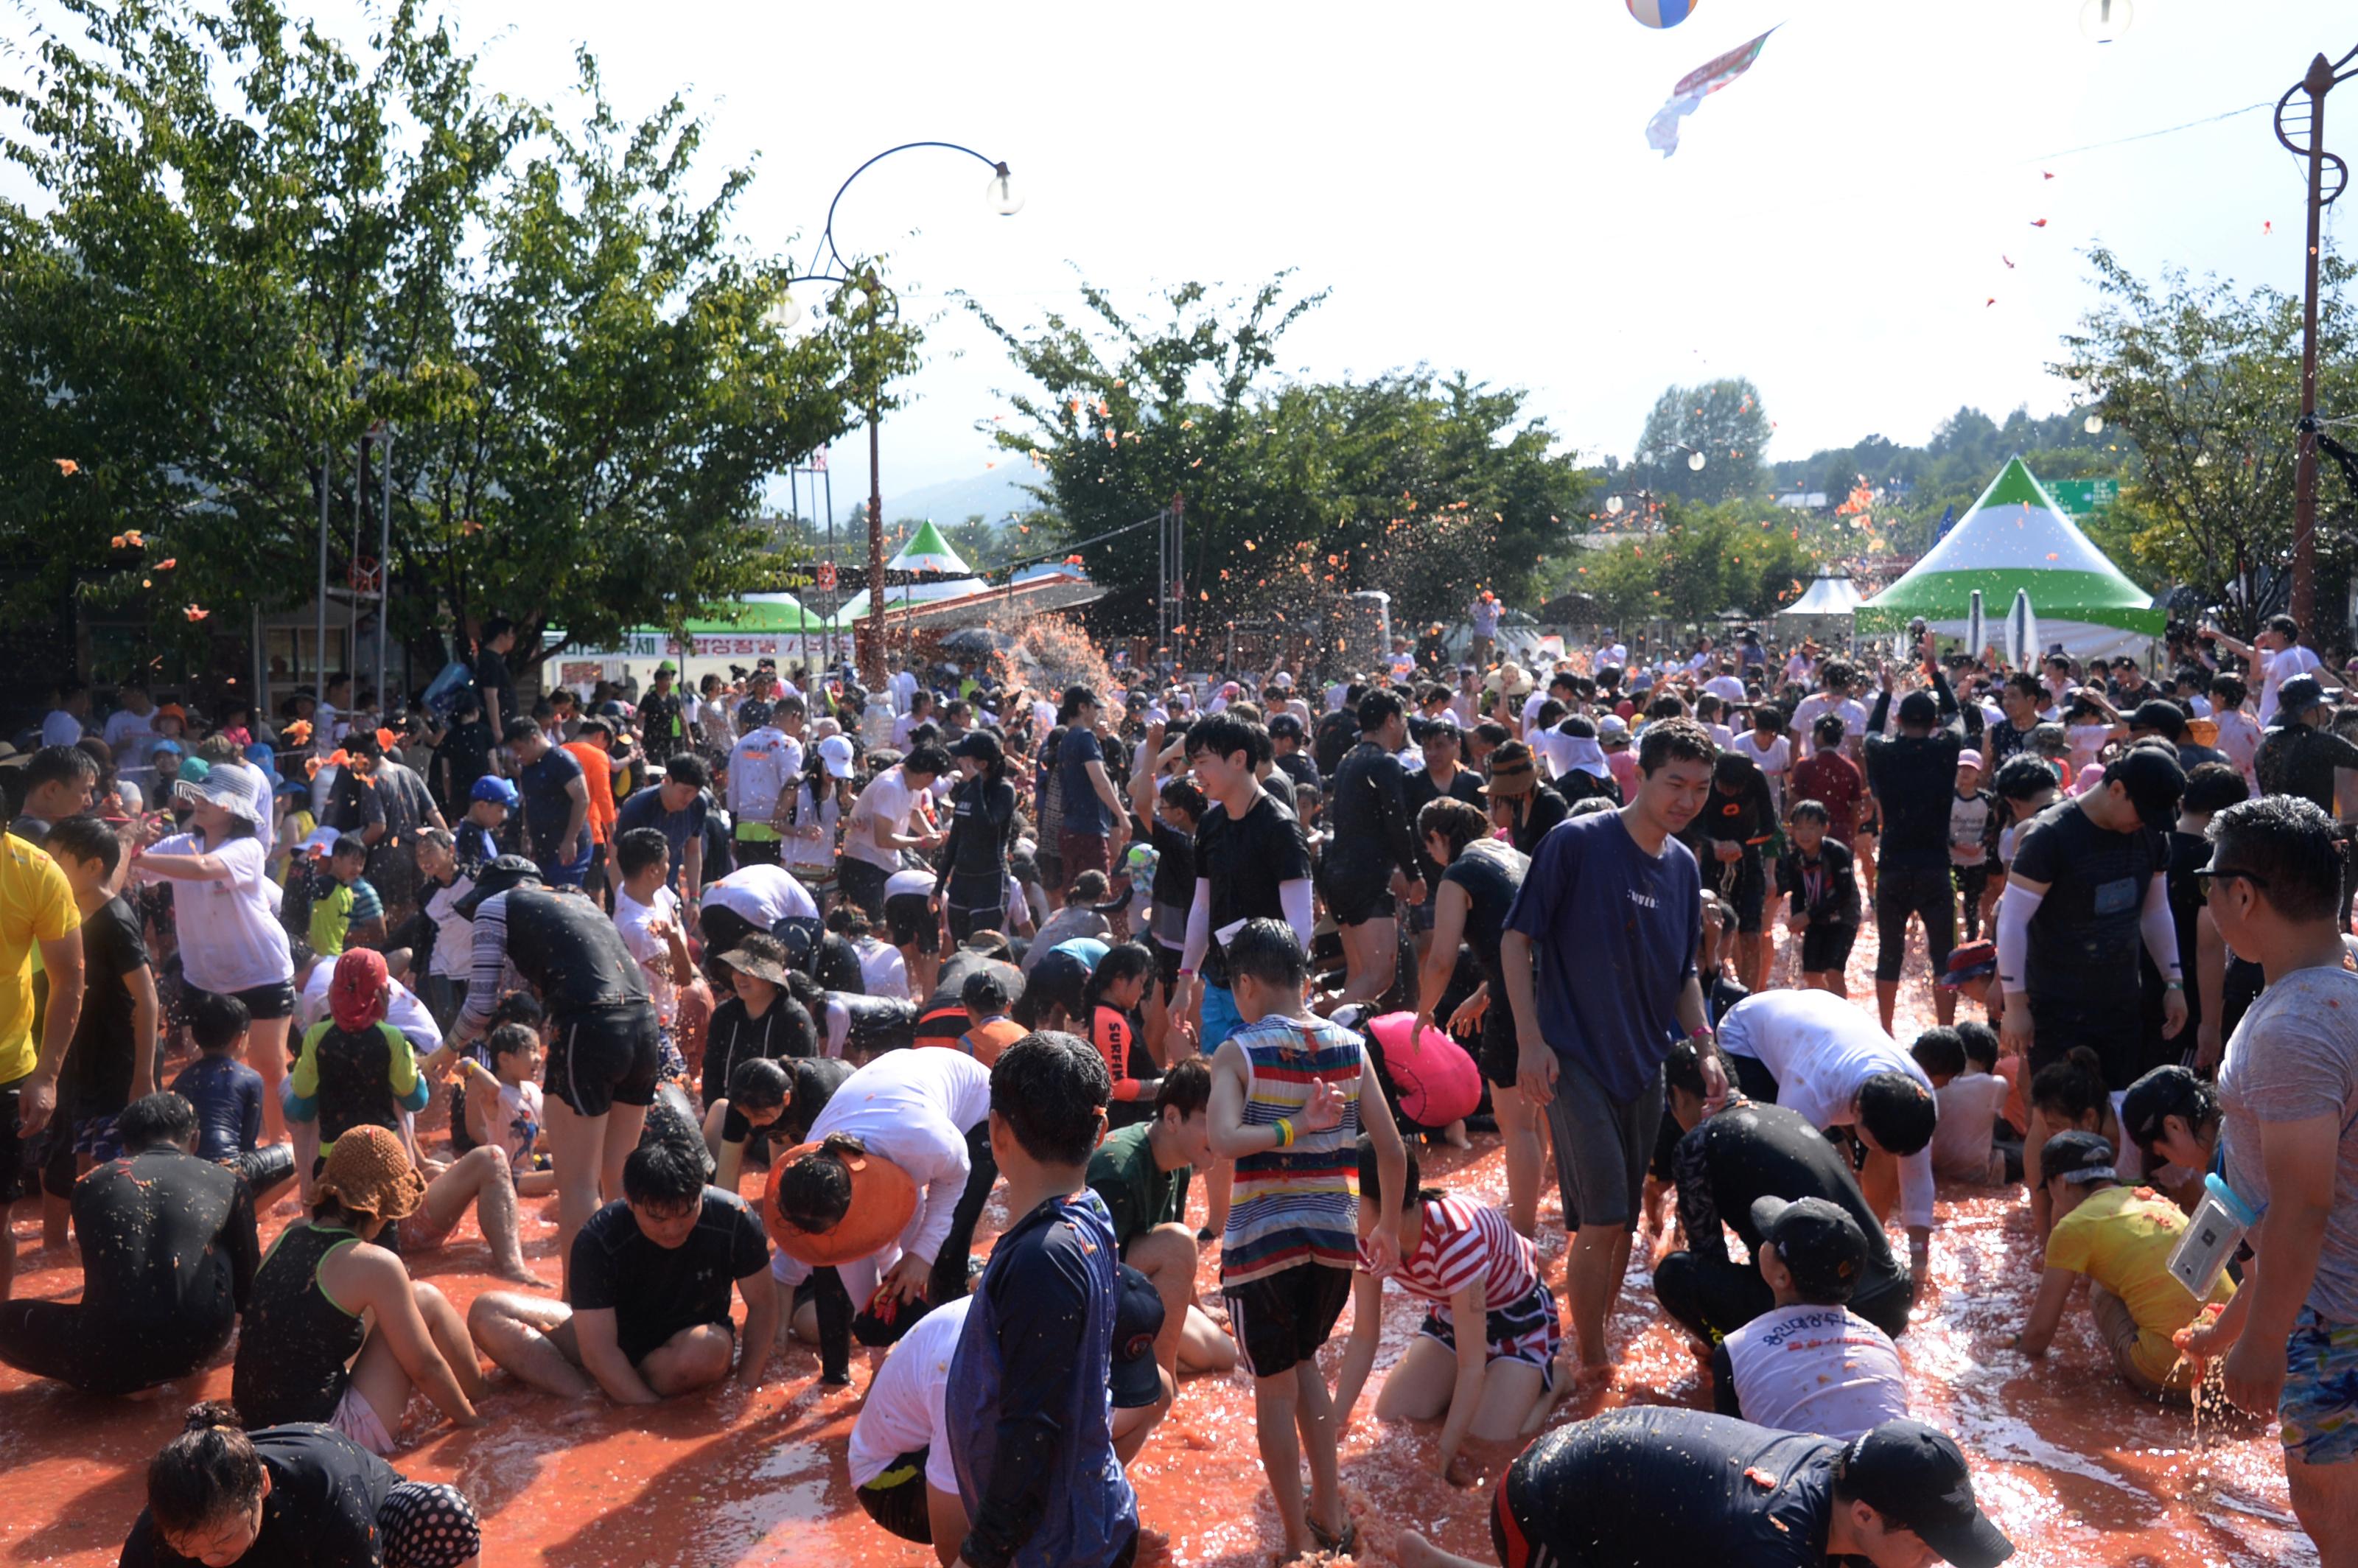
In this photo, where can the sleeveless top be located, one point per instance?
(1298, 1204)
(295, 1345)
(1491, 871)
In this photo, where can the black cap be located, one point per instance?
(506, 873)
(2160, 716)
(1917, 707)
(1284, 724)
(980, 745)
(1917, 1479)
(2172, 1090)
(1819, 1243)
(2297, 695)
(1137, 1319)
(2154, 782)
(2078, 1157)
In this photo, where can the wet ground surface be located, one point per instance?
(2075, 1469)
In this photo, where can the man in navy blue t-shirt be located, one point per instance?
(1612, 907)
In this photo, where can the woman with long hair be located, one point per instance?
(972, 882)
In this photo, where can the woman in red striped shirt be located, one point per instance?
(1468, 1262)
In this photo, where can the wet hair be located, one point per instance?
(1768, 718)
(1591, 806)
(760, 1082)
(1684, 1069)
(2167, 1091)
(2227, 692)
(2289, 847)
(507, 1039)
(208, 1473)
(639, 849)
(1182, 795)
(1376, 710)
(2023, 683)
(1940, 1051)
(1666, 705)
(1270, 952)
(1828, 730)
(85, 839)
(1673, 739)
(2210, 787)
(849, 921)
(1980, 1042)
(2068, 1089)
(516, 729)
(1051, 1089)
(1222, 735)
(1455, 822)
(516, 1007)
(1811, 811)
(2023, 777)
(815, 1191)
(930, 760)
(662, 1175)
(1899, 1111)
(1122, 961)
(1371, 1183)
(1187, 1088)
(57, 764)
(984, 993)
(1490, 732)
(687, 768)
(2285, 626)
(216, 1020)
(151, 1119)
(1089, 887)
(350, 847)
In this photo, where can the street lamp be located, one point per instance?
(1003, 198)
(2302, 129)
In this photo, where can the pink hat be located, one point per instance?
(1969, 758)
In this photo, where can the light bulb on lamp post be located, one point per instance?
(2105, 20)
(782, 314)
(1001, 194)
(2093, 423)
(1694, 461)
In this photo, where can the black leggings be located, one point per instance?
(267, 1169)
(1922, 891)
(78, 1348)
(1711, 1297)
(947, 1282)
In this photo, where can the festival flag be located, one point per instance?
(1948, 520)
(1663, 130)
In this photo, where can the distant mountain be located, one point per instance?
(993, 495)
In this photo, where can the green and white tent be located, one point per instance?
(2016, 539)
(928, 551)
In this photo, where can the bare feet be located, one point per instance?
(523, 1276)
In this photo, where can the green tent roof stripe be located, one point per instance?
(2054, 595)
(928, 551)
(2016, 485)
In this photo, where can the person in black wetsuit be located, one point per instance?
(168, 1253)
(1660, 1484)
(1444, 776)
(1913, 777)
(1729, 836)
(227, 1095)
(292, 1496)
(1478, 880)
(603, 1056)
(972, 882)
(1370, 848)
(1748, 1151)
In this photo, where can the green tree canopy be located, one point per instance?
(1428, 487)
(255, 246)
(1725, 422)
(1702, 559)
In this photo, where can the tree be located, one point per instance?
(1725, 422)
(256, 248)
(1741, 554)
(2205, 381)
(1295, 492)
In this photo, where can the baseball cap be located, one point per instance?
(1137, 1319)
(2078, 1157)
(1917, 1479)
(1284, 724)
(1611, 724)
(168, 744)
(2154, 782)
(2161, 716)
(1819, 1243)
(2300, 695)
(491, 786)
(1917, 707)
(1973, 961)
(1283, 680)
(836, 749)
(979, 744)
(666, 668)
(1969, 758)
(2169, 1090)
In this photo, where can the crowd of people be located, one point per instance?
(370, 965)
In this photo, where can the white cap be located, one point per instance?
(836, 749)
(1284, 680)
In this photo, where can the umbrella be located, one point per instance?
(975, 640)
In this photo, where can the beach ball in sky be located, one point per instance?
(1662, 12)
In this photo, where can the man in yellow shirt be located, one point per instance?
(37, 909)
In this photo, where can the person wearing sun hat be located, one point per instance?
(1521, 805)
(1654, 1484)
(334, 1330)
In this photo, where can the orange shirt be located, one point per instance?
(598, 773)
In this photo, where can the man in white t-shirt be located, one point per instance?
(2275, 654)
(1723, 684)
(899, 1455)
(1815, 1053)
(646, 913)
(130, 732)
(886, 820)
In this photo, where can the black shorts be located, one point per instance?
(1826, 949)
(1058, 979)
(1743, 884)
(911, 919)
(722, 929)
(1281, 1319)
(1356, 896)
(896, 1498)
(862, 883)
(604, 1057)
(1498, 1053)
(264, 1003)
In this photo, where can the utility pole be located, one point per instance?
(2301, 128)
(875, 661)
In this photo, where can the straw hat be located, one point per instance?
(369, 1173)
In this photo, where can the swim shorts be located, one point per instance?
(2319, 1406)
(605, 1056)
(358, 1420)
(1281, 1319)
(1528, 1330)
(1602, 1146)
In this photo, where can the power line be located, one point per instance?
(2146, 136)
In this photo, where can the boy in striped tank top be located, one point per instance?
(1469, 1266)
(1290, 1095)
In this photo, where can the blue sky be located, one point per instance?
(1473, 184)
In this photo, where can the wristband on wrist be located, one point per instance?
(1284, 1133)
